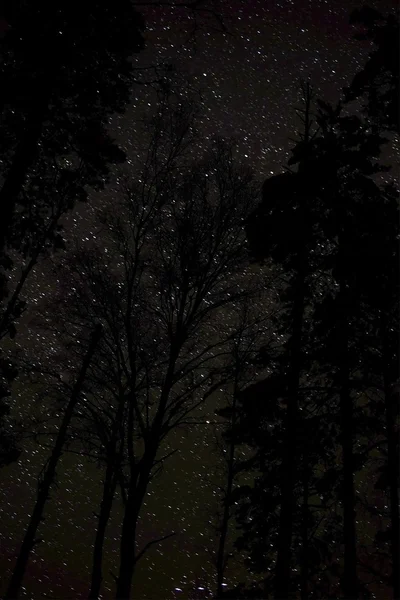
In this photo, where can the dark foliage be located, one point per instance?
(378, 82)
(65, 69)
(332, 212)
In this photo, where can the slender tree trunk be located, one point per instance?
(349, 583)
(139, 480)
(221, 557)
(392, 406)
(284, 549)
(285, 531)
(48, 477)
(113, 475)
(109, 487)
(349, 580)
(392, 409)
(135, 498)
(304, 524)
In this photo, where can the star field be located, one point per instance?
(248, 77)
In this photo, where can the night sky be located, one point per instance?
(249, 81)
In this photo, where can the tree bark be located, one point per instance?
(304, 525)
(221, 558)
(113, 474)
(140, 474)
(136, 493)
(48, 478)
(284, 550)
(392, 409)
(285, 531)
(109, 487)
(349, 582)
(391, 379)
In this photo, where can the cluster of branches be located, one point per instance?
(167, 268)
(62, 79)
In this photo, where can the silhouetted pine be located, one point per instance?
(377, 85)
(260, 418)
(282, 229)
(347, 153)
(343, 206)
(379, 280)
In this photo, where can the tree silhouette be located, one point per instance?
(171, 134)
(265, 229)
(62, 77)
(245, 344)
(336, 204)
(378, 278)
(378, 85)
(348, 161)
(179, 236)
(49, 473)
(198, 243)
(101, 432)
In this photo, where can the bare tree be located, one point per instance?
(170, 265)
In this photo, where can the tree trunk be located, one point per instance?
(392, 409)
(349, 580)
(391, 381)
(48, 477)
(109, 487)
(112, 476)
(349, 583)
(304, 523)
(285, 532)
(139, 480)
(135, 497)
(221, 558)
(284, 550)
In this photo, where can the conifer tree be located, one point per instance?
(284, 232)
(344, 202)
(347, 151)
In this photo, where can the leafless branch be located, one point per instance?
(151, 543)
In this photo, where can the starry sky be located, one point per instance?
(249, 81)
